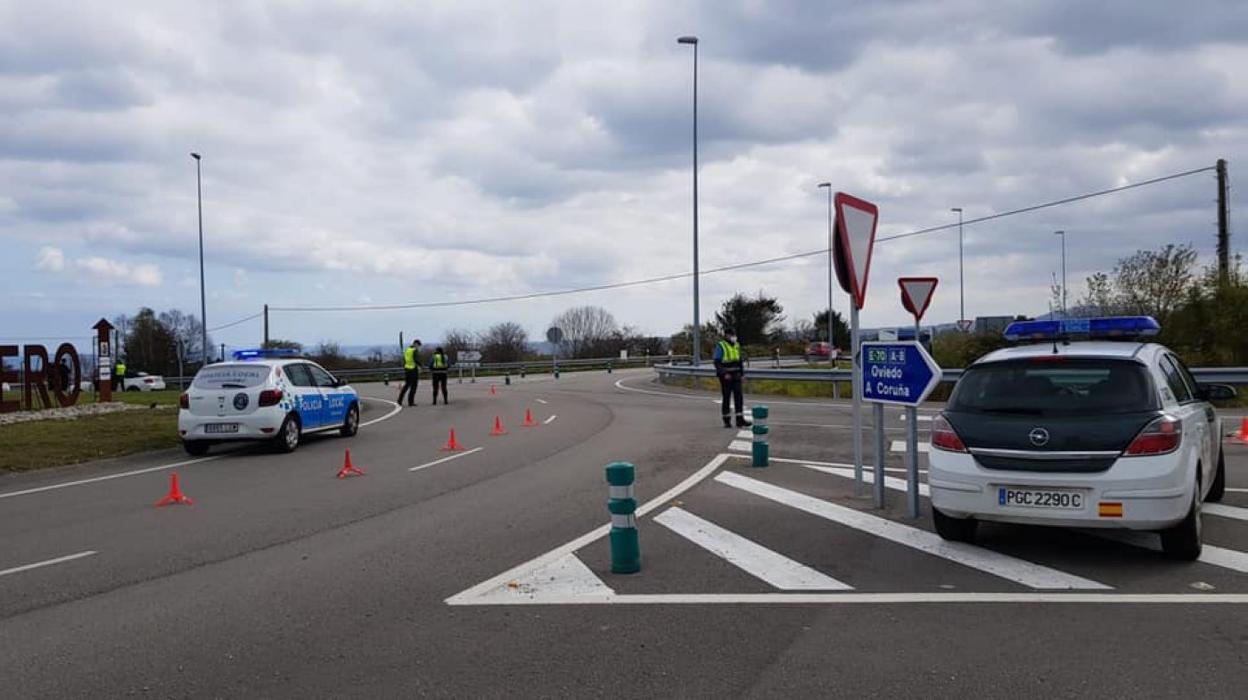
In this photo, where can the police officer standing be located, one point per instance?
(730, 370)
(119, 376)
(438, 367)
(411, 373)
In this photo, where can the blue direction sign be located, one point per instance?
(900, 373)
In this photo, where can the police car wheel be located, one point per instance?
(288, 436)
(195, 448)
(351, 424)
(954, 529)
(1183, 541)
(1218, 489)
(132, 388)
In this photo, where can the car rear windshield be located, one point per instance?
(235, 376)
(1055, 386)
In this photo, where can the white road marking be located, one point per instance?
(920, 418)
(900, 446)
(1215, 556)
(445, 459)
(866, 468)
(541, 401)
(619, 384)
(119, 475)
(566, 576)
(876, 599)
(49, 562)
(393, 412)
(868, 477)
(1007, 567)
(487, 589)
(745, 434)
(550, 420)
(1225, 511)
(741, 446)
(1228, 488)
(747, 555)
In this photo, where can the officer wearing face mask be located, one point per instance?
(731, 371)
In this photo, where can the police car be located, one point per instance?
(1105, 432)
(265, 395)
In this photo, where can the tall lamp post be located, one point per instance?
(203, 304)
(697, 346)
(831, 338)
(961, 273)
(1062, 233)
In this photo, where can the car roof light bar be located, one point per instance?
(1124, 327)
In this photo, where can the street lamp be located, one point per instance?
(831, 341)
(961, 273)
(203, 304)
(697, 347)
(1063, 235)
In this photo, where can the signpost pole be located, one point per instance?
(856, 353)
(912, 449)
(878, 418)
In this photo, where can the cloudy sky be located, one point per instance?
(369, 152)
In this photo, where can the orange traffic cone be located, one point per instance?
(492, 391)
(349, 469)
(528, 419)
(498, 428)
(1243, 429)
(175, 495)
(452, 445)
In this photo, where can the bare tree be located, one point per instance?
(456, 341)
(504, 342)
(1155, 282)
(587, 330)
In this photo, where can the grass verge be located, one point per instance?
(50, 443)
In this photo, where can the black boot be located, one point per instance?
(743, 423)
(727, 422)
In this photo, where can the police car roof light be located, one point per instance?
(264, 353)
(1110, 327)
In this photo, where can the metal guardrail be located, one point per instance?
(1212, 375)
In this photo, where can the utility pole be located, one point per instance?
(266, 325)
(1224, 227)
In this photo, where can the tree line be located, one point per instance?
(161, 343)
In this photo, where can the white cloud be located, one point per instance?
(115, 272)
(50, 259)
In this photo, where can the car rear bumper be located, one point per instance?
(250, 427)
(1154, 492)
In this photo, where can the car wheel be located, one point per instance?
(195, 448)
(132, 388)
(1182, 542)
(288, 435)
(1218, 488)
(955, 529)
(351, 424)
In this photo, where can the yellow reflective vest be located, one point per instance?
(409, 358)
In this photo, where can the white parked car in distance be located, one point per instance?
(143, 381)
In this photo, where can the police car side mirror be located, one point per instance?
(1217, 392)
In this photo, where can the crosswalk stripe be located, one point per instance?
(747, 555)
(891, 482)
(1018, 570)
(745, 435)
(1225, 511)
(921, 418)
(740, 446)
(900, 446)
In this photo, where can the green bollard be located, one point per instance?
(625, 545)
(507, 379)
(522, 371)
(760, 449)
(608, 368)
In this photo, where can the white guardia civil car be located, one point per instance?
(1089, 434)
(265, 395)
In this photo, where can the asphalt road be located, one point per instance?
(482, 575)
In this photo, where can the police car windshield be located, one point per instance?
(1055, 385)
(231, 376)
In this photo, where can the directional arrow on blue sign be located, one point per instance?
(900, 373)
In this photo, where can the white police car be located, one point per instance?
(1089, 434)
(265, 395)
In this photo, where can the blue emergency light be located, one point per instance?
(1125, 327)
(264, 353)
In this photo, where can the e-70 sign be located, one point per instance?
(900, 373)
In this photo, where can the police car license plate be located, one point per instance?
(217, 428)
(1039, 498)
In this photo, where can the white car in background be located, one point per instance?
(144, 382)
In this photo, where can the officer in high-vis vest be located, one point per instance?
(438, 367)
(411, 372)
(731, 371)
(119, 376)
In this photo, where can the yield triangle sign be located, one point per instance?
(855, 230)
(916, 294)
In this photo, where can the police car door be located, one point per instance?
(1192, 412)
(308, 398)
(1211, 421)
(335, 407)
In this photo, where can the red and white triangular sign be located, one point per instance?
(916, 294)
(855, 230)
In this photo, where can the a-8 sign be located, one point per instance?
(900, 373)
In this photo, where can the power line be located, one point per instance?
(235, 323)
(725, 268)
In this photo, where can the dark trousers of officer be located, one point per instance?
(730, 388)
(439, 380)
(411, 380)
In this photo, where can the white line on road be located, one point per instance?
(1007, 567)
(920, 418)
(872, 599)
(900, 446)
(747, 555)
(50, 562)
(445, 459)
(868, 477)
(393, 412)
(1228, 488)
(550, 420)
(542, 401)
(1215, 556)
(118, 475)
(745, 434)
(1225, 511)
(741, 446)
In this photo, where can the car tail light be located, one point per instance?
(184, 401)
(270, 397)
(1160, 437)
(944, 437)
(149, 381)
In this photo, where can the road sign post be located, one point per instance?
(899, 374)
(855, 238)
(916, 296)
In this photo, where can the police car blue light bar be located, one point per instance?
(264, 353)
(1108, 327)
